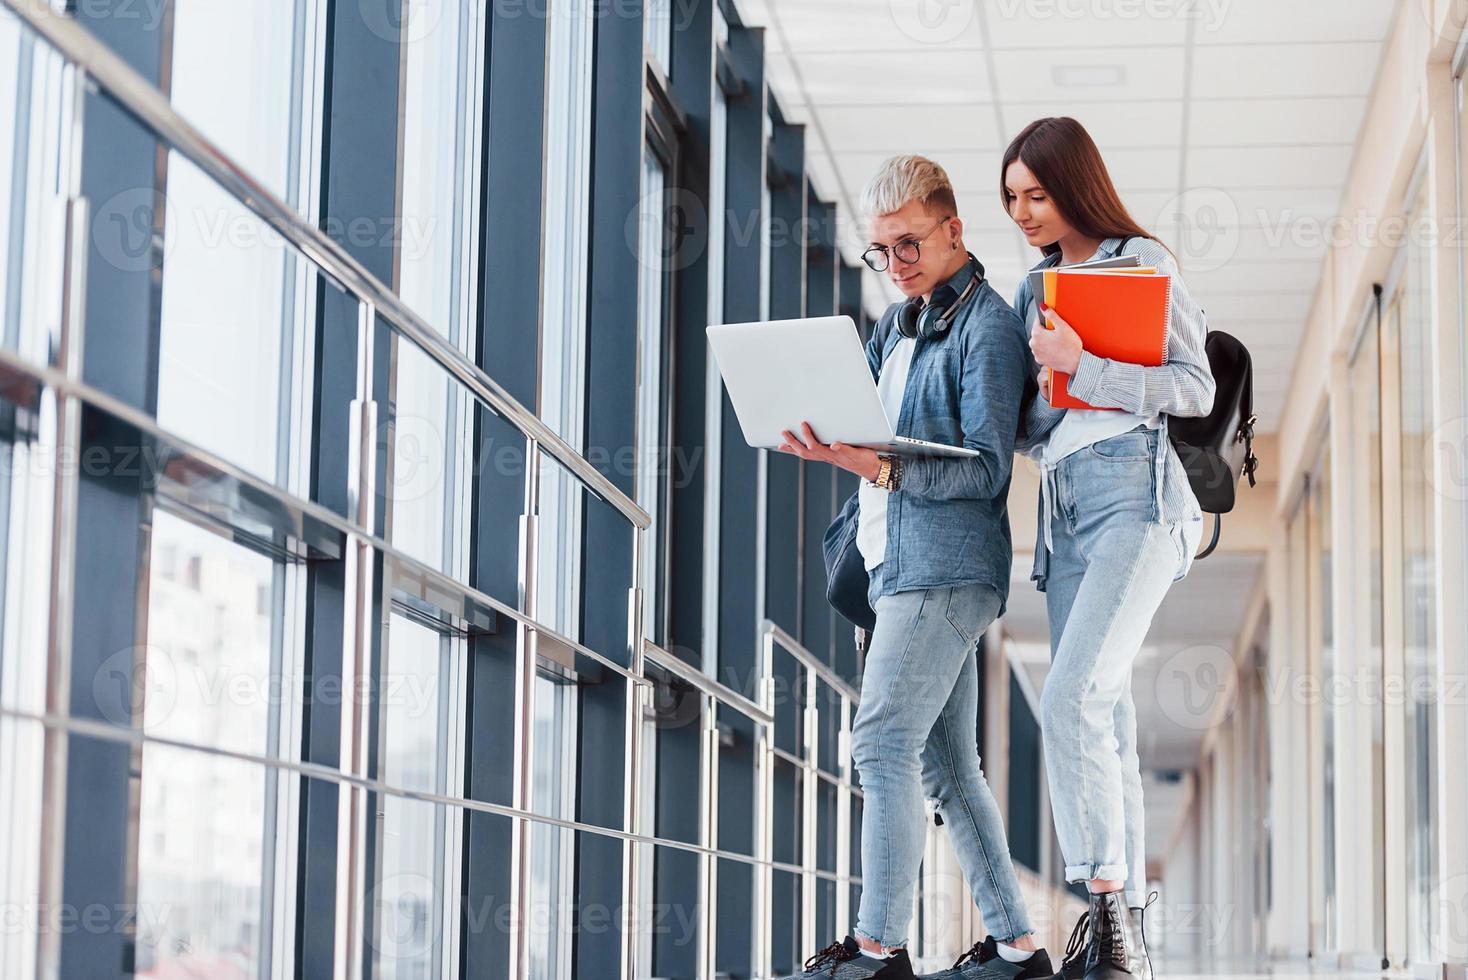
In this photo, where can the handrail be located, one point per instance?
(703, 682)
(13, 366)
(135, 95)
(139, 738)
(809, 661)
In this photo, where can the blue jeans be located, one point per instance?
(1111, 566)
(915, 736)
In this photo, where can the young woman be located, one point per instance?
(1118, 525)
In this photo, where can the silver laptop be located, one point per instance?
(783, 372)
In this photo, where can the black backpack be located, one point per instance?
(1218, 449)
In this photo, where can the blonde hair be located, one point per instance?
(902, 179)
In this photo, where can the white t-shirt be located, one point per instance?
(1082, 427)
(871, 526)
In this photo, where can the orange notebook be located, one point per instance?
(1121, 314)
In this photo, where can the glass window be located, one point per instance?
(234, 300)
(208, 826)
(16, 50)
(563, 300)
(1419, 587)
(552, 849)
(35, 92)
(713, 403)
(1322, 645)
(657, 29)
(437, 256)
(421, 724)
(652, 467)
(1364, 591)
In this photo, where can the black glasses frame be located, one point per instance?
(878, 259)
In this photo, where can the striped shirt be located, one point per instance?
(1184, 387)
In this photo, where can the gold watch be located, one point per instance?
(888, 473)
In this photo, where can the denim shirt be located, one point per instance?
(948, 520)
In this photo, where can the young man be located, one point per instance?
(933, 532)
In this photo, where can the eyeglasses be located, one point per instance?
(909, 250)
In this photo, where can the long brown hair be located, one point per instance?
(1065, 160)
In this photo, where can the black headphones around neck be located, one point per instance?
(931, 320)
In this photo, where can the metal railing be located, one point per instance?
(196, 483)
(812, 672)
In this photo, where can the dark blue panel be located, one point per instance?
(738, 488)
(785, 916)
(693, 88)
(359, 178)
(1024, 779)
(120, 357)
(611, 387)
(508, 351)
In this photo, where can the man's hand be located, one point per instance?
(1044, 379)
(865, 463)
(1060, 348)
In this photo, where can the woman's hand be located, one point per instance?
(1044, 379)
(865, 463)
(1060, 348)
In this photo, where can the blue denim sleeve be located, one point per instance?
(993, 385)
(1038, 418)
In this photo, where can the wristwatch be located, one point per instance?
(889, 474)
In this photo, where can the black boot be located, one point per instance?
(1113, 952)
(1073, 967)
(1139, 932)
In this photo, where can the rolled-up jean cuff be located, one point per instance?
(880, 942)
(1090, 872)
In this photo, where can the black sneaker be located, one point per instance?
(983, 962)
(1073, 967)
(846, 961)
(1113, 951)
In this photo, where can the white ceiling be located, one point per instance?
(1251, 106)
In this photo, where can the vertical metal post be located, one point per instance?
(632, 918)
(352, 815)
(708, 835)
(810, 793)
(67, 450)
(764, 811)
(843, 820)
(523, 747)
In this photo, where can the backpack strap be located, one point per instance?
(1247, 418)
